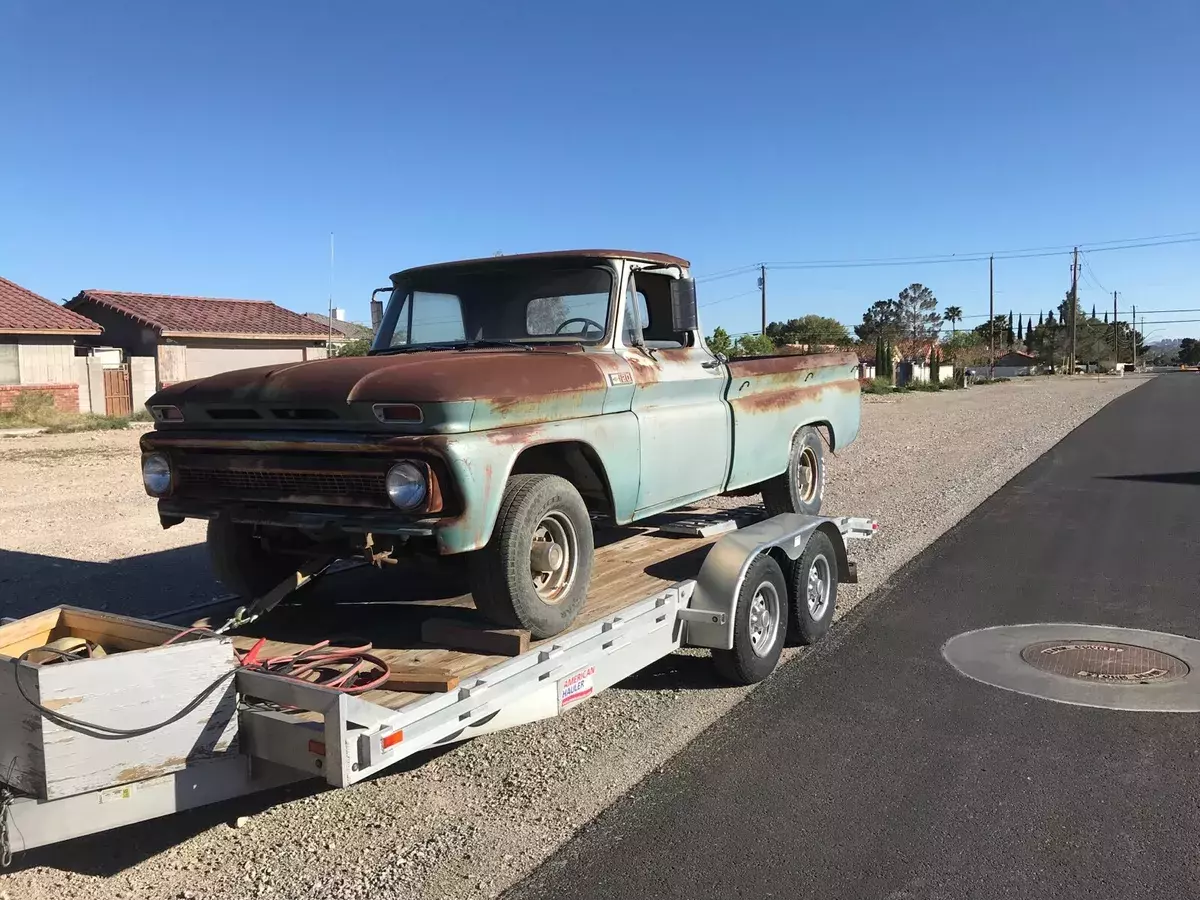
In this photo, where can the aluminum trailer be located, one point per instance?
(733, 605)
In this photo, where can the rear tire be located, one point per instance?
(813, 590)
(241, 563)
(802, 487)
(759, 627)
(520, 582)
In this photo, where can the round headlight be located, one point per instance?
(156, 474)
(406, 485)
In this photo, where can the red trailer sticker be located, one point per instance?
(575, 687)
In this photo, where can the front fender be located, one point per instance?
(480, 464)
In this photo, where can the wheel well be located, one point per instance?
(575, 461)
(825, 430)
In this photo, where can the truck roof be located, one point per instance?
(640, 256)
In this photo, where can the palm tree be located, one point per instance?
(953, 315)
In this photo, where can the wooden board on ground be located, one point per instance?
(631, 563)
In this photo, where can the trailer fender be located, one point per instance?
(710, 615)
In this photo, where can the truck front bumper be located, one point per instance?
(172, 511)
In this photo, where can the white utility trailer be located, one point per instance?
(753, 585)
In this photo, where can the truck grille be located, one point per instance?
(337, 488)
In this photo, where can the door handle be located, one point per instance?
(711, 364)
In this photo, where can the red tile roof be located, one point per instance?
(24, 312)
(170, 315)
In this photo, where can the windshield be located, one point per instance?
(514, 304)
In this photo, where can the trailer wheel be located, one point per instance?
(813, 590)
(760, 625)
(802, 487)
(241, 563)
(534, 572)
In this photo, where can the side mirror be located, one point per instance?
(683, 305)
(377, 308)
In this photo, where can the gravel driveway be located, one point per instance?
(75, 526)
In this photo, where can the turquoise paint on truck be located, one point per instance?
(661, 420)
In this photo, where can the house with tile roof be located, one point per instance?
(38, 340)
(343, 332)
(194, 337)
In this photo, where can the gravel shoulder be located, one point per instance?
(477, 818)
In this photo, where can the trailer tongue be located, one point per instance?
(757, 585)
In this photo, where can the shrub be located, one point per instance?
(877, 386)
(35, 409)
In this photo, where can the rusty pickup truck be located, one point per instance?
(505, 405)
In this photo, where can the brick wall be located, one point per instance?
(66, 396)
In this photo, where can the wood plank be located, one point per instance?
(420, 681)
(476, 638)
(115, 632)
(40, 624)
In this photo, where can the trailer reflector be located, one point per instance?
(317, 747)
(393, 739)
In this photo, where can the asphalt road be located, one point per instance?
(871, 768)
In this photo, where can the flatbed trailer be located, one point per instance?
(700, 580)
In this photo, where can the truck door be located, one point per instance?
(678, 398)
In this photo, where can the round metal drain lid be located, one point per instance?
(1106, 661)
(1084, 665)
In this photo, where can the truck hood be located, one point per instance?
(517, 386)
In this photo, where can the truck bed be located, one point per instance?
(388, 607)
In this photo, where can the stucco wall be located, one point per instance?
(46, 360)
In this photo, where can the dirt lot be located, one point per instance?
(75, 526)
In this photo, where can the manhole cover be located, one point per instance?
(1104, 661)
(1084, 665)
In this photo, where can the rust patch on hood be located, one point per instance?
(419, 376)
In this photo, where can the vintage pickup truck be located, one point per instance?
(506, 403)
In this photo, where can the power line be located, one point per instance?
(733, 297)
(1162, 240)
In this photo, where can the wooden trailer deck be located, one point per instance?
(389, 607)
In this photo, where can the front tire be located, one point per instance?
(802, 487)
(760, 625)
(240, 561)
(534, 572)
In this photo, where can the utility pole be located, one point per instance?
(1074, 307)
(762, 283)
(991, 318)
(1133, 335)
(1116, 348)
(329, 340)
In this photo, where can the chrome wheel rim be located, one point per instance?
(818, 588)
(806, 474)
(553, 557)
(764, 619)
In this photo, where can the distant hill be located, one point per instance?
(1167, 345)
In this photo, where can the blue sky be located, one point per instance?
(211, 148)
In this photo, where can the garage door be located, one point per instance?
(205, 361)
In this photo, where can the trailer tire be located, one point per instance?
(812, 591)
(535, 509)
(241, 563)
(759, 627)
(802, 487)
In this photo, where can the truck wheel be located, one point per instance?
(813, 593)
(534, 572)
(802, 487)
(760, 625)
(240, 561)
